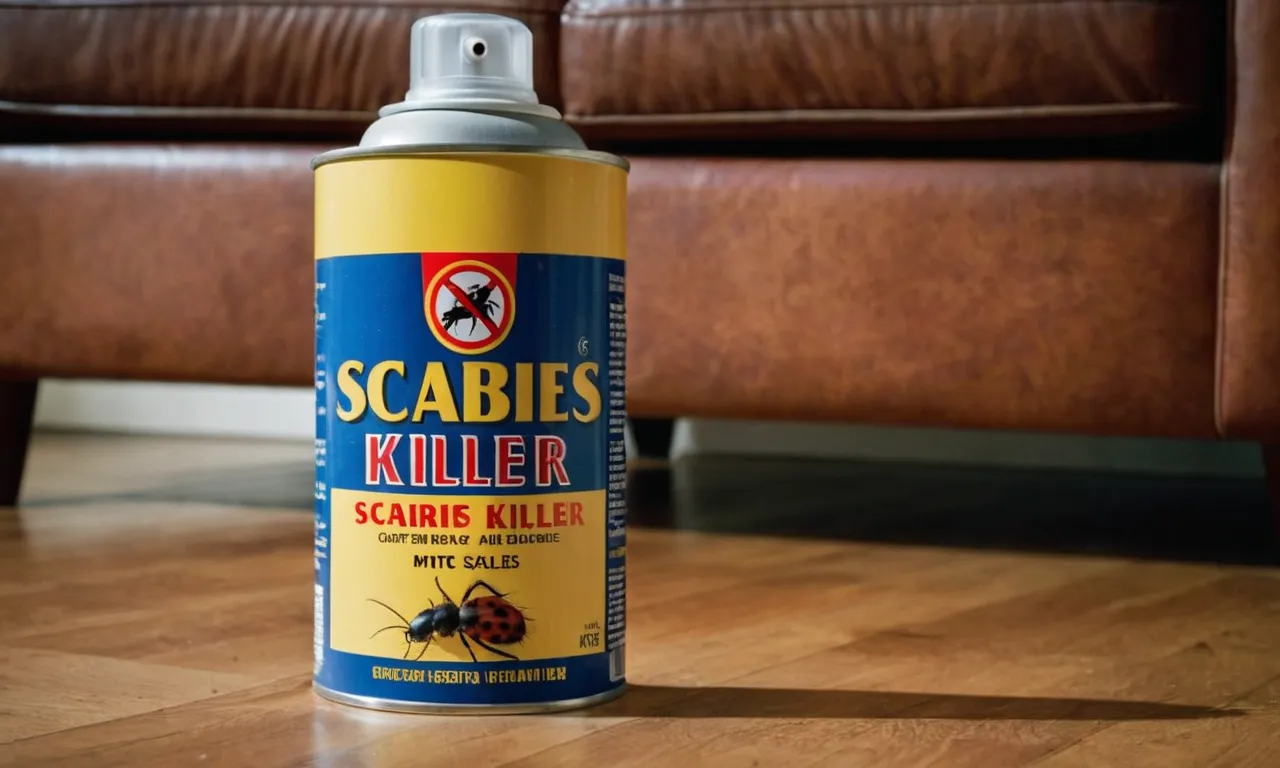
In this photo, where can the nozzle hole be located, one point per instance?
(476, 48)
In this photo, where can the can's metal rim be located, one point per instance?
(427, 150)
(417, 707)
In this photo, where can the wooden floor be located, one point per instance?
(155, 609)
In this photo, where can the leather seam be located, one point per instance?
(830, 115)
(160, 111)
(605, 12)
(1224, 272)
(891, 115)
(549, 9)
(1224, 229)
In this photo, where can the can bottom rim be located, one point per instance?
(418, 707)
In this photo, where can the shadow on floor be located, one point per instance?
(677, 702)
(1167, 517)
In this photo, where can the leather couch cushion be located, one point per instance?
(641, 69)
(222, 67)
(1036, 295)
(1056, 296)
(629, 69)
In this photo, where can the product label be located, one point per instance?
(470, 514)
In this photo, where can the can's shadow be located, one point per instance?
(733, 702)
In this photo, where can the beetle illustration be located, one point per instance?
(478, 295)
(487, 621)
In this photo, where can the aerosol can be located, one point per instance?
(470, 371)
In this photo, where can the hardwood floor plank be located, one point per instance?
(905, 698)
(266, 724)
(48, 692)
(1247, 742)
(283, 723)
(149, 621)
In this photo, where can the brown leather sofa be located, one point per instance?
(1016, 214)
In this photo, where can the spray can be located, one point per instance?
(470, 370)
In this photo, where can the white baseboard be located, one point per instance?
(177, 409)
(287, 413)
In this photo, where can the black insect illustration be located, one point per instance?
(487, 621)
(480, 298)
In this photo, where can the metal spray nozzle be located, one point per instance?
(470, 59)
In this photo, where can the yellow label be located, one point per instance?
(476, 202)
(544, 553)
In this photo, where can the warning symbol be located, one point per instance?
(470, 307)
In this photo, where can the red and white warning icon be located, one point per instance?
(470, 306)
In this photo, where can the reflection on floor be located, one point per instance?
(1147, 516)
(1210, 519)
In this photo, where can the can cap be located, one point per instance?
(471, 61)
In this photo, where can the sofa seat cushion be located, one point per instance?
(221, 67)
(645, 69)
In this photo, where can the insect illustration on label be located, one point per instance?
(479, 297)
(487, 621)
(470, 289)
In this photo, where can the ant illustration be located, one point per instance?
(486, 621)
(478, 295)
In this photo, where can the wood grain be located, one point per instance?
(144, 622)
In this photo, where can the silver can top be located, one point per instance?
(470, 89)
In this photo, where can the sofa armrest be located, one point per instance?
(1249, 324)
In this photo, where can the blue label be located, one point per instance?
(470, 514)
